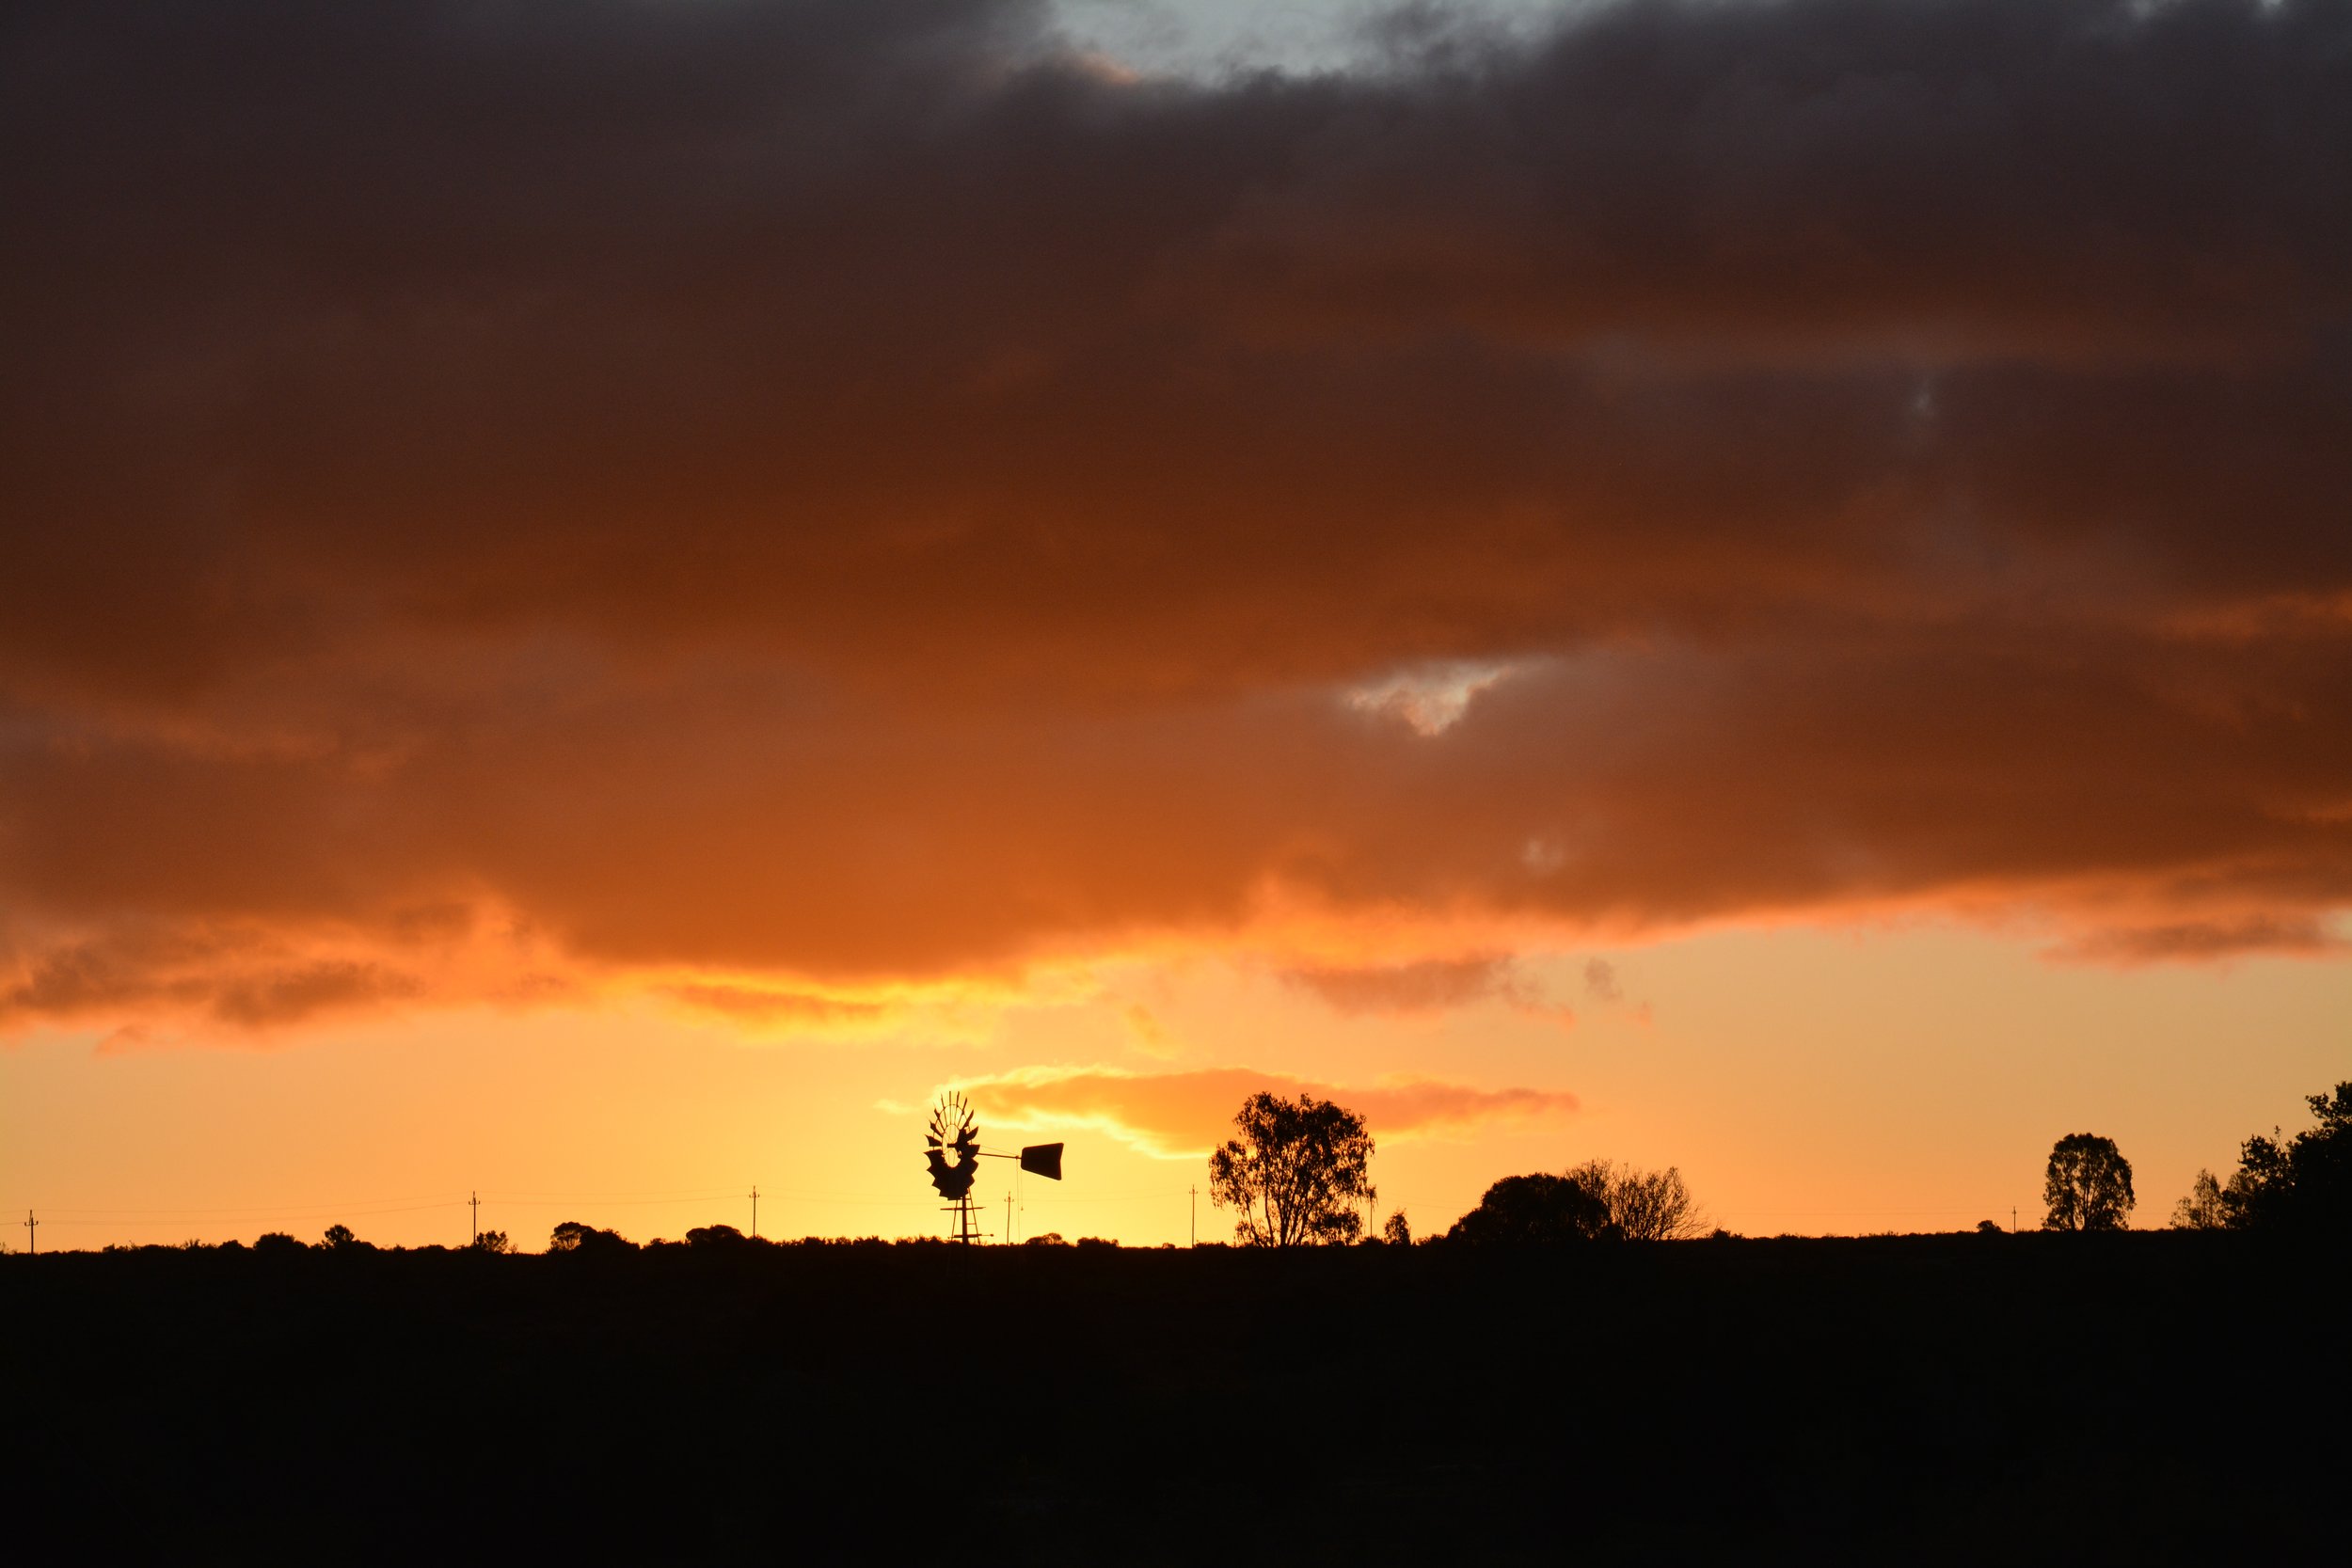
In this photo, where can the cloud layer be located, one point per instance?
(850, 489)
(1183, 1115)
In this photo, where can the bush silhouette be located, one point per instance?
(1535, 1211)
(1643, 1205)
(572, 1236)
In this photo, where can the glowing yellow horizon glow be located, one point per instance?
(1804, 1081)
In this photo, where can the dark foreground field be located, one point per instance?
(2131, 1397)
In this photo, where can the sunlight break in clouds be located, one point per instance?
(1181, 1116)
(1430, 700)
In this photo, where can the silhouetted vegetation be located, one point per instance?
(2205, 1207)
(1298, 1172)
(2301, 1184)
(586, 1240)
(1395, 1231)
(1535, 1211)
(1599, 1200)
(2088, 1185)
(1643, 1205)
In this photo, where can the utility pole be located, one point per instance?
(474, 1202)
(1192, 1209)
(1008, 1216)
(32, 1232)
(754, 1211)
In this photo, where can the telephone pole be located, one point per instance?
(1192, 1213)
(32, 1232)
(1009, 1217)
(754, 1212)
(474, 1202)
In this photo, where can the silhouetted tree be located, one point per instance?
(2205, 1207)
(2088, 1185)
(1298, 1172)
(1535, 1211)
(1990, 1228)
(1643, 1205)
(493, 1240)
(1396, 1232)
(587, 1241)
(1052, 1238)
(714, 1236)
(2303, 1183)
(338, 1235)
(277, 1241)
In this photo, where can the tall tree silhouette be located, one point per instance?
(1298, 1172)
(2088, 1185)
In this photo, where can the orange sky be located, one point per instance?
(597, 598)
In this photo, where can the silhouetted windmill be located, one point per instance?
(951, 1147)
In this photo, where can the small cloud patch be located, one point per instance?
(1432, 698)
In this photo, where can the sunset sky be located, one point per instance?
(598, 598)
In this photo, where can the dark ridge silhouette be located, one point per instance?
(1893, 1399)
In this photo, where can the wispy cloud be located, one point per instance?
(2250, 935)
(1182, 1114)
(1426, 986)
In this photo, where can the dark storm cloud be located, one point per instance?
(854, 488)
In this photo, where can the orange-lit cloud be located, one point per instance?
(2212, 938)
(900, 501)
(1183, 1115)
